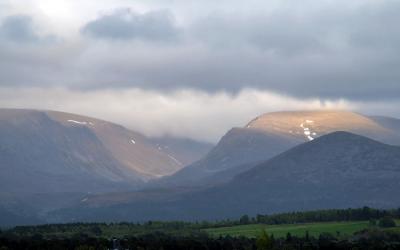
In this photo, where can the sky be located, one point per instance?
(197, 68)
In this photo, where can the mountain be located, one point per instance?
(338, 170)
(185, 150)
(273, 133)
(9, 218)
(238, 150)
(132, 150)
(50, 159)
(54, 151)
(47, 156)
(387, 122)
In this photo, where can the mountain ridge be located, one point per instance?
(338, 170)
(272, 133)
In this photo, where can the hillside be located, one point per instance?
(48, 142)
(273, 133)
(47, 156)
(49, 159)
(338, 170)
(184, 150)
(131, 149)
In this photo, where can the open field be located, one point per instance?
(122, 230)
(314, 229)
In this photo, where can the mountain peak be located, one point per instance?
(312, 124)
(271, 134)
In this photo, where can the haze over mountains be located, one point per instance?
(81, 168)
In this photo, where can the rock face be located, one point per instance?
(273, 133)
(338, 170)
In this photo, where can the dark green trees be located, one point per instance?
(264, 242)
(245, 219)
(386, 222)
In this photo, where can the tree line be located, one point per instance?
(326, 215)
(375, 216)
(368, 239)
(191, 235)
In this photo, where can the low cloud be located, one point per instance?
(184, 113)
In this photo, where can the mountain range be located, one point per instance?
(338, 170)
(273, 133)
(73, 153)
(61, 167)
(55, 157)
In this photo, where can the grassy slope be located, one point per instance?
(314, 229)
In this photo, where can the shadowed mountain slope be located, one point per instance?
(132, 150)
(273, 133)
(184, 150)
(387, 122)
(49, 159)
(48, 151)
(337, 170)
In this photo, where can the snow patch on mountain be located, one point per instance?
(174, 159)
(307, 131)
(81, 123)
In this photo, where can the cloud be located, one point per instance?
(29, 56)
(323, 49)
(19, 29)
(126, 25)
(184, 113)
(317, 50)
(281, 32)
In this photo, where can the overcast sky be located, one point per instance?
(196, 68)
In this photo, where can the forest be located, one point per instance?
(381, 233)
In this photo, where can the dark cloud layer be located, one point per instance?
(28, 58)
(18, 29)
(126, 24)
(328, 50)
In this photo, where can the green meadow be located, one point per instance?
(313, 229)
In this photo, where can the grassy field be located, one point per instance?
(120, 230)
(314, 229)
